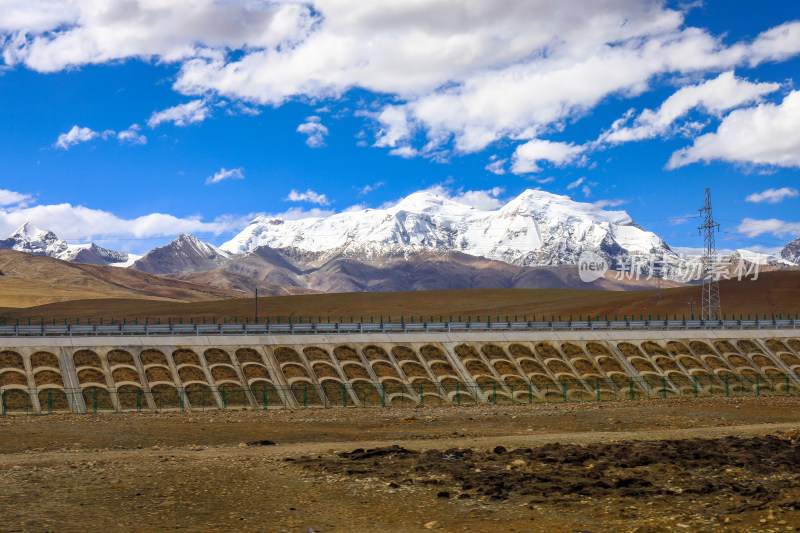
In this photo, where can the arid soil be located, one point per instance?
(650, 465)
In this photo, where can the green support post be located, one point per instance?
(727, 391)
(630, 383)
(664, 387)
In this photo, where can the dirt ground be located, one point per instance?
(650, 465)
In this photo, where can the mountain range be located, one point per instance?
(425, 241)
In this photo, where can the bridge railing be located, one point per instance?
(48, 330)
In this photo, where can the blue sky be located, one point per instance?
(128, 123)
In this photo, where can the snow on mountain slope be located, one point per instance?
(187, 253)
(30, 239)
(535, 228)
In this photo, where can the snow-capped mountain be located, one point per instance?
(791, 252)
(30, 239)
(187, 253)
(535, 228)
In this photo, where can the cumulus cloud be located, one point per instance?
(604, 204)
(366, 189)
(83, 223)
(715, 96)
(497, 167)
(132, 135)
(752, 227)
(314, 130)
(14, 198)
(527, 156)
(766, 134)
(224, 174)
(75, 136)
(461, 74)
(772, 196)
(181, 115)
(485, 200)
(308, 196)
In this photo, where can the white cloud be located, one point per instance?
(224, 174)
(297, 213)
(576, 183)
(14, 198)
(75, 136)
(772, 196)
(181, 115)
(465, 74)
(132, 135)
(767, 134)
(485, 200)
(83, 223)
(308, 196)
(498, 167)
(543, 181)
(604, 204)
(752, 227)
(715, 96)
(366, 189)
(406, 152)
(527, 156)
(315, 131)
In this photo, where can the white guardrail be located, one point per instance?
(48, 330)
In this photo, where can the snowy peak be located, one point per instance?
(535, 228)
(30, 239)
(185, 254)
(791, 252)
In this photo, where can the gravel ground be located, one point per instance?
(655, 465)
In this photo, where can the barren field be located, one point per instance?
(668, 465)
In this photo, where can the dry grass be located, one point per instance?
(597, 349)
(546, 350)
(503, 367)
(191, 373)
(220, 373)
(440, 368)
(255, 371)
(715, 362)
(153, 357)
(233, 394)
(185, 357)
(701, 348)
(315, 353)
(762, 361)
(86, 358)
(572, 350)
(725, 347)
(532, 367)
(216, 356)
(353, 371)
(641, 365)
(412, 369)
(165, 396)
(120, 357)
(584, 367)
(12, 378)
(748, 346)
(738, 361)
(158, 373)
(558, 367)
(294, 370)
(475, 367)
(790, 359)
(125, 374)
(324, 370)
(492, 351)
(465, 351)
(54, 399)
(795, 344)
(383, 370)
(90, 375)
(432, 353)
(519, 350)
(200, 395)
(677, 348)
(97, 399)
(403, 353)
(284, 354)
(653, 349)
(609, 364)
(131, 397)
(777, 346)
(248, 355)
(346, 353)
(9, 359)
(375, 353)
(630, 350)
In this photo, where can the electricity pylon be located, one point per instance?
(711, 305)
